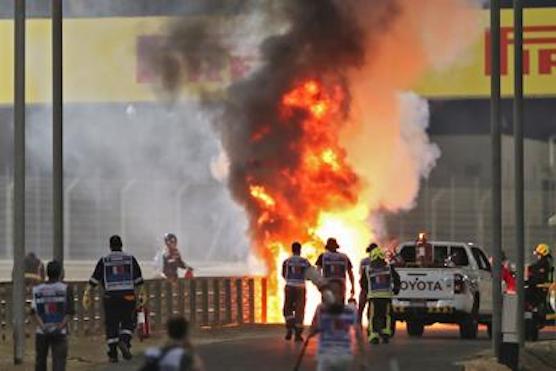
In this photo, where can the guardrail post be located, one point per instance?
(228, 300)
(97, 311)
(181, 297)
(148, 292)
(264, 300)
(87, 317)
(8, 310)
(239, 303)
(251, 283)
(216, 301)
(205, 289)
(193, 300)
(169, 296)
(158, 303)
(78, 294)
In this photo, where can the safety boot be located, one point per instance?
(374, 338)
(112, 354)
(298, 332)
(289, 334)
(124, 348)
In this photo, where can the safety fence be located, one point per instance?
(206, 302)
(142, 211)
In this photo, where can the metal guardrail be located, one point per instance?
(206, 302)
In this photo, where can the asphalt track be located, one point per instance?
(439, 349)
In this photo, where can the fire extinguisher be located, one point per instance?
(188, 273)
(143, 323)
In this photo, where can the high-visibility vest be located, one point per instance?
(334, 265)
(118, 272)
(335, 330)
(379, 281)
(294, 269)
(50, 304)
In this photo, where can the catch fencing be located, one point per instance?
(463, 213)
(206, 302)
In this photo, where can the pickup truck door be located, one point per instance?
(484, 277)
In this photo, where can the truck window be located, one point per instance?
(481, 259)
(408, 253)
(459, 256)
(440, 254)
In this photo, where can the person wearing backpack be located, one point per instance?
(177, 354)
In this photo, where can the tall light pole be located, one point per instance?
(57, 132)
(18, 293)
(496, 190)
(519, 168)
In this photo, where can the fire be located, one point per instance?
(330, 158)
(310, 96)
(260, 194)
(316, 196)
(298, 130)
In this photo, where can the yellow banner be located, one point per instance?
(470, 77)
(105, 61)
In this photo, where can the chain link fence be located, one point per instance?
(140, 211)
(463, 213)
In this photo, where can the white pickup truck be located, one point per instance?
(455, 288)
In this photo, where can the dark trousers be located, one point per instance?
(361, 305)
(294, 306)
(59, 345)
(380, 317)
(119, 320)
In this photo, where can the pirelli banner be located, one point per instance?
(470, 76)
(104, 61)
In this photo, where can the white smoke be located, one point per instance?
(387, 140)
(414, 122)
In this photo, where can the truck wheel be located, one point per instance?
(415, 328)
(469, 325)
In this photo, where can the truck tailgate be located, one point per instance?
(426, 283)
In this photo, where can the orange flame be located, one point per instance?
(260, 194)
(305, 204)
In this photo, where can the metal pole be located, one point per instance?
(452, 208)
(496, 190)
(519, 170)
(18, 301)
(57, 133)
